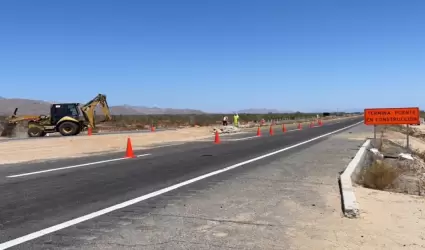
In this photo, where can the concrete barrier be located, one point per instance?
(349, 203)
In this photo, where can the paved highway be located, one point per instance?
(40, 201)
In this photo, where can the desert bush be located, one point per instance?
(420, 154)
(379, 175)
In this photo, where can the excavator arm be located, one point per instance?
(88, 110)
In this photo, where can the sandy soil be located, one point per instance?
(77, 146)
(400, 139)
(388, 221)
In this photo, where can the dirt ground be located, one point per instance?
(387, 220)
(78, 146)
(400, 139)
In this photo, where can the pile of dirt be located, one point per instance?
(226, 130)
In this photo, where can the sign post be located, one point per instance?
(392, 116)
(407, 139)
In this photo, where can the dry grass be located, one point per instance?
(379, 175)
(420, 154)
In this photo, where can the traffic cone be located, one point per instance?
(129, 152)
(152, 129)
(217, 138)
(89, 131)
(271, 132)
(258, 131)
(283, 128)
(320, 122)
(300, 126)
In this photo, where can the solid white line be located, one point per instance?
(75, 221)
(241, 139)
(166, 145)
(75, 166)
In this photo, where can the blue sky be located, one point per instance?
(220, 55)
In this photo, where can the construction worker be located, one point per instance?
(236, 120)
(225, 119)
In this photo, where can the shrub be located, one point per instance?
(379, 175)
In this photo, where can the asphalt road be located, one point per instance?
(37, 201)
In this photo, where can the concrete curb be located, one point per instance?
(350, 205)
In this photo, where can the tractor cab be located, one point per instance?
(58, 111)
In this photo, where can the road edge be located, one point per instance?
(350, 206)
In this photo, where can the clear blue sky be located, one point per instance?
(220, 55)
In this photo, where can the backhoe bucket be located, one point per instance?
(8, 129)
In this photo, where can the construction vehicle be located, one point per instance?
(64, 118)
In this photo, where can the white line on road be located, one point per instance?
(75, 166)
(244, 138)
(78, 220)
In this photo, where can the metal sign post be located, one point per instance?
(407, 141)
(374, 135)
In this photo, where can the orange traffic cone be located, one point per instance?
(129, 152)
(283, 128)
(319, 122)
(300, 126)
(217, 138)
(271, 132)
(89, 131)
(258, 131)
(152, 129)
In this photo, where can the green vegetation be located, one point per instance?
(201, 120)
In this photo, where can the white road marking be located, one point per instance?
(166, 145)
(75, 166)
(244, 138)
(78, 220)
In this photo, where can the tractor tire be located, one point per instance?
(68, 128)
(35, 132)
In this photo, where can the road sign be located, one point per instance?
(391, 116)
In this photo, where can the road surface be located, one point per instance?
(44, 205)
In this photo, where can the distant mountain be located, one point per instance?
(36, 107)
(263, 111)
(128, 110)
(25, 106)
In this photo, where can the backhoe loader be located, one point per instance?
(64, 118)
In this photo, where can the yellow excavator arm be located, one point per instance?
(88, 109)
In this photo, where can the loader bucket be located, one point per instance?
(8, 129)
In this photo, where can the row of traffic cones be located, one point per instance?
(130, 154)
